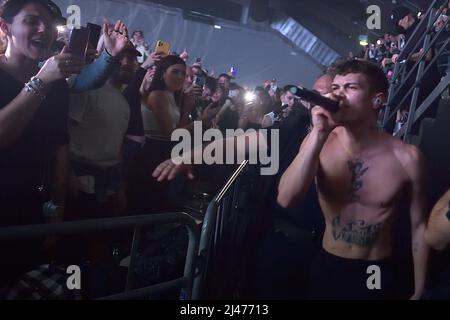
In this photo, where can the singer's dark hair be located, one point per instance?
(377, 79)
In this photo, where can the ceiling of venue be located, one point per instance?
(338, 23)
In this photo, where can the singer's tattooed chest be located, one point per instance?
(357, 232)
(357, 170)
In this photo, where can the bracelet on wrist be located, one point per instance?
(37, 87)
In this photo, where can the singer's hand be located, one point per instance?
(324, 121)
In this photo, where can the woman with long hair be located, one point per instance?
(33, 123)
(166, 108)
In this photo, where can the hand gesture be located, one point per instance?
(115, 38)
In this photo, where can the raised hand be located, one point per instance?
(184, 55)
(146, 83)
(116, 38)
(153, 58)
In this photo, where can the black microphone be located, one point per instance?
(315, 98)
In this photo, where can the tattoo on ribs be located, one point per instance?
(357, 169)
(357, 232)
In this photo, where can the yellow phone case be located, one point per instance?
(162, 47)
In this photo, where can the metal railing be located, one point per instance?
(218, 215)
(137, 223)
(420, 38)
(203, 249)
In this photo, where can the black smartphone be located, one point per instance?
(94, 35)
(78, 41)
(199, 81)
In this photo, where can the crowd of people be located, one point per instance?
(385, 52)
(81, 136)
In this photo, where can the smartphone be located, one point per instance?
(162, 47)
(78, 41)
(199, 81)
(94, 35)
(233, 94)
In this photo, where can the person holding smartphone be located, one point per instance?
(94, 75)
(33, 121)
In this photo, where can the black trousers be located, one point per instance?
(281, 268)
(335, 278)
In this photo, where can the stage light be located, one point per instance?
(250, 97)
(61, 28)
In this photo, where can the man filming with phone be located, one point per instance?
(98, 123)
(111, 40)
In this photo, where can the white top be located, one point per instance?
(151, 125)
(143, 48)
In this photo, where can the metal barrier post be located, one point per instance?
(210, 224)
